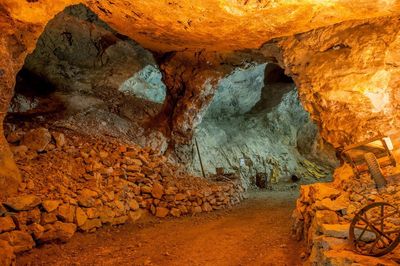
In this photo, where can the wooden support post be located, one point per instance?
(201, 162)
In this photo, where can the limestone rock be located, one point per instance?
(336, 230)
(80, 217)
(36, 230)
(37, 139)
(66, 213)
(59, 138)
(7, 256)
(157, 190)
(19, 240)
(91, 224)
(23, 203)
(50, 205)
(58, 231)
(6, 224)
(133, 205)
(322, 191)
(161, 212)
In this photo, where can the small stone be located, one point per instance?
(15, 136)
(91, 224)
(135, 215)
(176, 212)
(103, 154)
(145, 189)
(37, 139)
(180, 197)
(80, 217)
(36, 230)
(133, 205)
(161, 212)
(66, 213)
(19, 240)
(7, 256)
(336, 230)
(157, 190)
(206, 207)
(6, 224)
(50, 205)
(59, 138)
(23, 203)
(59, 231)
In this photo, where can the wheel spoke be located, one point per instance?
(377, 231)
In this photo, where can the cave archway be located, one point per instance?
(253, 127)
(85, 76)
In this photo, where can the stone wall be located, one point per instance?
(73, 183)
(324, 212)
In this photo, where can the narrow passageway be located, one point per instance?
(256, 232)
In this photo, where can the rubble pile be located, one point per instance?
(324, 212)
(73, 183)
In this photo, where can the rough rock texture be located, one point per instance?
(348, 77)
(192, 24)
(324, 212)
(87, 183)
(256, 118)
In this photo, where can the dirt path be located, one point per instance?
(257, 232)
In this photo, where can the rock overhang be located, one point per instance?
(219, 25)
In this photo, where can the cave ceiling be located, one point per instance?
(218, 25)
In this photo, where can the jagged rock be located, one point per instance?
(50, 205)
(37, 139)
(66, 213)
(339, 204)
(80, 217)
(7, 256)
(91, 224)
(23, 203)
(36, 230)
(322, 191)
(133, 205)
(206, 207)
(135, 215)
(59, 138)
(161, 212)
(19, 240)
(336, 230)
(120, 220)
(157, 191)
(58, 231)
(175, 212)
(48, 218)
(6, 224)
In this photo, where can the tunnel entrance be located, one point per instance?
(256, 127)
(86, 77)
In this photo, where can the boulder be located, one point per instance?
(50, 205)
(66, 213)
(336, 230)
(6, 224)
(37, 139)
(91, 224)
(59, 138)
(80, 217)
(320, 191)
(161, 212)
(21, 241)
(58, 231)
(133, 205)
(23, 203)
(157, 191)
(7, 256)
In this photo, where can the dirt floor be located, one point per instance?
(257, 232)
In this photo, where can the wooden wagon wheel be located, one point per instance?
(375, 230)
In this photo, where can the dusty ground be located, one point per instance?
(257, 232)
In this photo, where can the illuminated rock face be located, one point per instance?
(346, 73)
(348, 77)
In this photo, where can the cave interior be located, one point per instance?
(115, 113)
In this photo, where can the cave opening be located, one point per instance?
(256, 127)
(86, 77)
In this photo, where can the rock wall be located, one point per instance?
(324, 212)
(262, 121)
(349, 70)
(78, 183)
